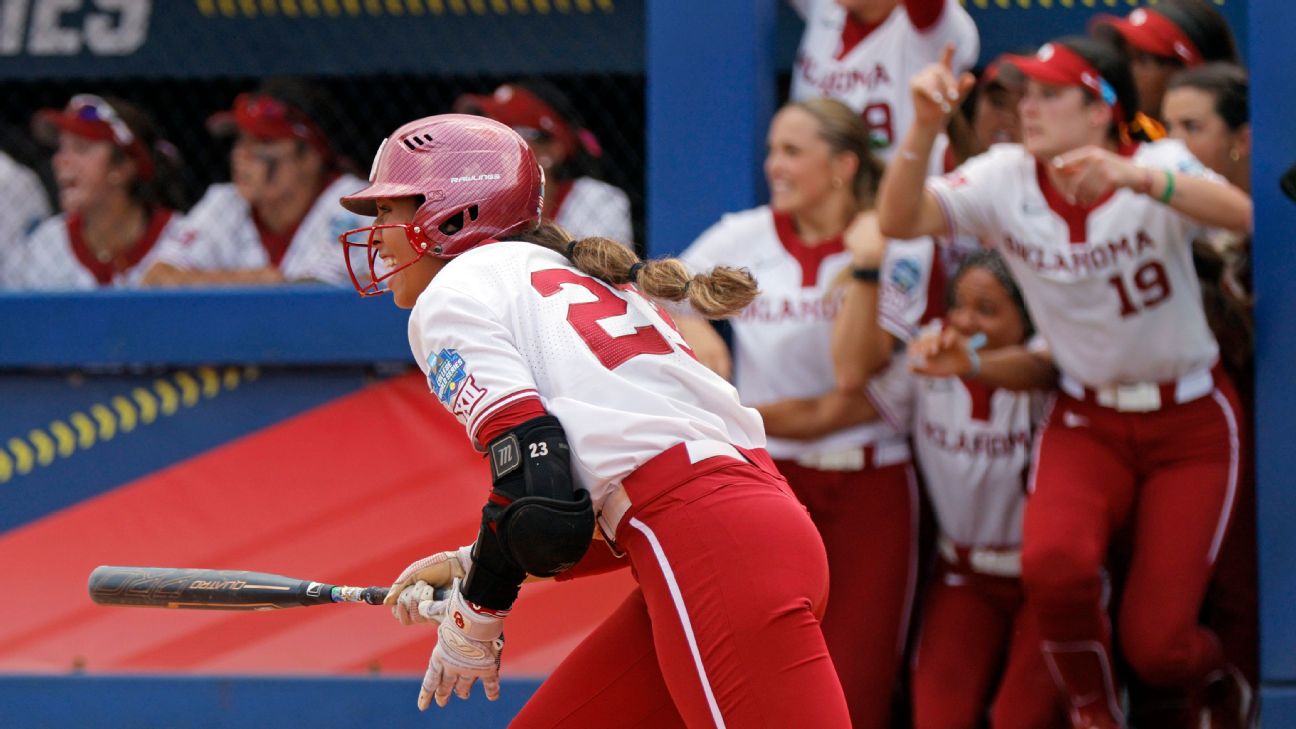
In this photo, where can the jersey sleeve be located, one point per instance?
(967, 195)
(610, 217)
(892, 392)
(904, 281)
(472, 363)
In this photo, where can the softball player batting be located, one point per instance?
(863, 53)
(592, 410)
(1144, 435)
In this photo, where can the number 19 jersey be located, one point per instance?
(512, 321)
(1111, 287)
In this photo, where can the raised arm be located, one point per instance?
(905, 208)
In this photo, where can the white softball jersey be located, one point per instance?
(25, 206)
(509, 321)
(225, 236)
(782, 341)
(973, 445)
(56, 257)
(1111, 287)
(872, 76)
(593, 207)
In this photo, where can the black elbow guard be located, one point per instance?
(537, 519)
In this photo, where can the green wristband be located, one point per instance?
(1169, 188)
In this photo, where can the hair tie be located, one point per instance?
(571, 250)
(687, 284)
(633, 273)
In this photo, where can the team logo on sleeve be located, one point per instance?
(446, 375)
(906, 275)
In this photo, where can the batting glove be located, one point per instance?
(469, 643)
(437, 572)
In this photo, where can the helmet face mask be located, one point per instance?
(478, 179)
(374, 272)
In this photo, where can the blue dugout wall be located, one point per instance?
(711, 69)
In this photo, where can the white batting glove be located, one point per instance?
(421, 603)
(438, 571)
(469, 643)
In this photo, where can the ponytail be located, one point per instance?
(722, 292)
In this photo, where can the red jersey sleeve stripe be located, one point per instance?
(509, 411)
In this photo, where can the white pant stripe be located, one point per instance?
(1234, 448)
(673, 586)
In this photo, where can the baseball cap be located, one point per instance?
(263, 116)
(92, 117)
(1056, 64)
(1151, 32)
(524, 111)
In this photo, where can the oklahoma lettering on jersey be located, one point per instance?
(872, 76)
(782, 341)
(1112, 288)
(225, 237)
(973, 445)
(509, 321)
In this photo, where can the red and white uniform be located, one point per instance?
(868, 67)
(508, 331)
(588, 207)
(1145, 434)
(56, 257)
(857, 482)
(976, 642)
(227, 236)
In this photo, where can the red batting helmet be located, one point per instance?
(478, 179)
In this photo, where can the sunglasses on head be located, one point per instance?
(91, 108)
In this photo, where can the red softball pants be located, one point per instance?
(1170, 477)
(869, 523)
(978, 655)
(724, 628)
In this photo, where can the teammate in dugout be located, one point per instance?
(276, 220)
(857, 481)
(575, 198)
(118, 188)
(1145, 433)
(978, 652)
(863, 52)
(592, 409)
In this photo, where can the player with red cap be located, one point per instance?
(1164, 38)
(862, 53)
(118, 191)
(556, 358)
(275, 221)
(1096, 224)
(569, 153)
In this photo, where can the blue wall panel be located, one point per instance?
(200, 702)
(1272, 126)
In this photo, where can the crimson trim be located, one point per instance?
(509, 417)
(810, 257)
(124, 261)
(1075, 216)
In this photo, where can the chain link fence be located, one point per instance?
(373, 81)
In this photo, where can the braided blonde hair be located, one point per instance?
(722, 292)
